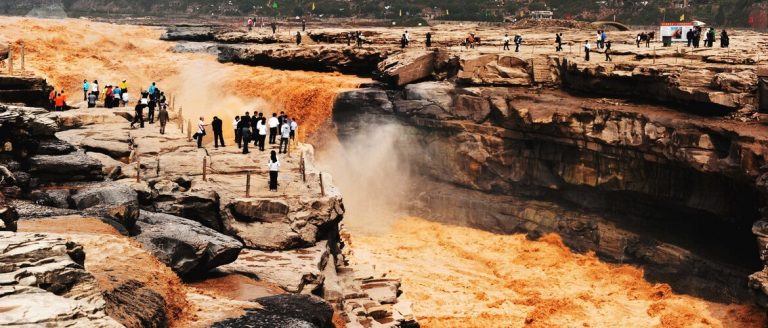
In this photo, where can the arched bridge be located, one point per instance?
(617, 25)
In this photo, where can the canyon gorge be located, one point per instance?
(435, 187)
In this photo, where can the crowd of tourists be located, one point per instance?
(255, 128)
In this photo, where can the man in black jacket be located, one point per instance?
(138, 115)
(245, 131)
(216, 126)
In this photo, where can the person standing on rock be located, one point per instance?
(162, 117)
(298, 38)
(91, 100)
(349, 39)
(303, 25)
(294, 126)
(273, 123)
(587, 48)
(262, 132)
(151, 105)
(218, 137)
(506, 41)
(95, 88)
(559, 42)
(241, 126)
(274, 167)
(274, 27)
(403, 42)
(518, 41)
(285, 137)
(138, 115)
(689, 37)
(724, 39)
(123, 86)
(608, 51)
(250, 24)
(52, 99)
(235, 122)
(86, 88)
(428, 40)
(108, 96)
(254, 128)
(200, 132)
(61, 101)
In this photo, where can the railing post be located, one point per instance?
(138, 169)
(322, 187)
(22, 57)
(189, 130)
(247, 184)
(10, 59)
(205, 159)
(157, 167)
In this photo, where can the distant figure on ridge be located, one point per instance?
(608, 51)
(506, 41)
(428, 40)
(518, 41)
(559, 42)
(298, 38)
(724, 39)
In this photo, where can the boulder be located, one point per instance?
(471, 107)
(65, 168)
(108, 164)
(184, 245)
(743, 81)
(43, 283)
(295, 271)
(285, 311)
(200, 206)
(259, 210)
(439, 93)
(54, 147)
(8, 215)
(114, 201)
(503, 70)
(362, 100)
(33, 120)
(188, 33)
(114, 149)
(59, 198)
(407, 67)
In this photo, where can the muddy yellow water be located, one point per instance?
(457, 277)
(463, 277)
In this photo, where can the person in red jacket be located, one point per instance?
(61, 101)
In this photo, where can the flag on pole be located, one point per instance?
(682, 17)
(313, 6)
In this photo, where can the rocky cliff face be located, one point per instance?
(677, 189)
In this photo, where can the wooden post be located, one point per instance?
(22, 57)
(138, 169)
(205, 159)
(654, 54)
(157, 167)
(303, 169)
(10, 59)
(189, 130)
(322, 187)
(247, 184)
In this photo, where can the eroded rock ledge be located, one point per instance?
(637, 183)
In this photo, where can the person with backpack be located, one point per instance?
(200, 132)
(518, 41)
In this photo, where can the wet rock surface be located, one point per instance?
(288, 311)
(44, 283)
(184, 245)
